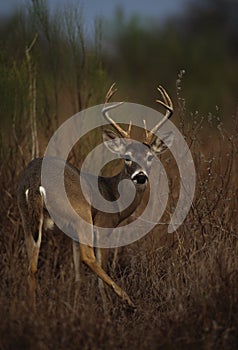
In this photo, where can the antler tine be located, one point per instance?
(167, 103)
(105, 113)
(146, 131)
(110, 93)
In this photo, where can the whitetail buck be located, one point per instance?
(32, 196)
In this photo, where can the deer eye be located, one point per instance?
(127, 158)
(150, 157)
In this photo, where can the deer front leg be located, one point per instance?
(76, 257)
(100, 281)
(99, 258)
(114, 259)
(88, 257)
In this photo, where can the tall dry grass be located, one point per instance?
(185, 285)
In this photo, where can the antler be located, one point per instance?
(105, 113)
(110, 93)
(167, 103)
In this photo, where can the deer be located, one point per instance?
(32, 196)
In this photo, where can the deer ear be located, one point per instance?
(114, 143)
(160, 146)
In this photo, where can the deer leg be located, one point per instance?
(88, 257)
(33, 254)
(76, 257)
(114, 259)
(33, 249)
(101, 286)
(100, 281)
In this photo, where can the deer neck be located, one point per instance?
(127, 189)
(109, 188)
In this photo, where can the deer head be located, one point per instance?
(137, 156)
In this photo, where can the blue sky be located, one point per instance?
(148, 8)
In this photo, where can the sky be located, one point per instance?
(160, 9)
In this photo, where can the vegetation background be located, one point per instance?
(185, 284)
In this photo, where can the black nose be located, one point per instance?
(140, 178)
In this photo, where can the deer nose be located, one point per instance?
(139, 177)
